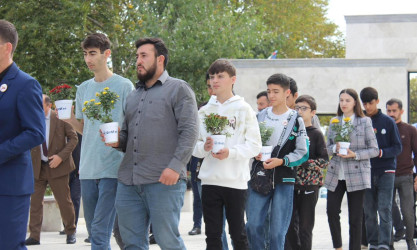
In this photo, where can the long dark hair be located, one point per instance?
(357, 108)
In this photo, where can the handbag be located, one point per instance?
(262, 180)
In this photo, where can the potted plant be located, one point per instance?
(266, 133)
(216, 126)
(62, 95)
(101, 111)
(342, 132)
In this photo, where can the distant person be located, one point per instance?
(262, 100)
(351, 173)
(22, 127)
(378, 199)
(293, 96)
(405, 164)
(52, 163)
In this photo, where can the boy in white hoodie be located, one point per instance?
(224, 175)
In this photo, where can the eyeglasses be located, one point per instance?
(302, 108)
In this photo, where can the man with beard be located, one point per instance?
(99, 164)
(404, 173)
(158, 136)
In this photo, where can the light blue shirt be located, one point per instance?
(98, 161)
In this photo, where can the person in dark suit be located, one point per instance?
(52, 163)
(22, 126)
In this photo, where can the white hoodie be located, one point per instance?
(243, 143)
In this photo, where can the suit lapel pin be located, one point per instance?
(3, 87)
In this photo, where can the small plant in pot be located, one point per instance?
(216, 127)
(266, 133)
(62, 95)
(101, 110)
(342, 132)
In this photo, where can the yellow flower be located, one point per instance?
(117, 96)
(112, 101)
(104, 92)
(85, 102)
(92, 100)
(346, 119)
(97, 94)
(97, 103)
(335, 120)
(106, 88)
(83, 109)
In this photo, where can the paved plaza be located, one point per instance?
(321, 234)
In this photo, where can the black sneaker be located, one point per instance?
(31, 241)
(399, 235)
(152, 240)
(87, 240)
(195, 231)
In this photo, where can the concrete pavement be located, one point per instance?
(321, 234)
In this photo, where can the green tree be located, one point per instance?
(50, 34)
(413, 101)
(197, 32)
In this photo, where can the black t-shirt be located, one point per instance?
(317, 147)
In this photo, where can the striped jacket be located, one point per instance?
(357, 172)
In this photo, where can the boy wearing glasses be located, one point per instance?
(309, 178)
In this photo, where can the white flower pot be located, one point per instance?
(266, 152)
(110, 131)
(63, 107)
(344, 146)
(218, 143)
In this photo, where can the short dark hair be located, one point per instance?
(158, 44)
(8, 34)
(293, 86)
(279, 79)
(368, 94)
(357, 108)
(222, 65)
(308, 99)
(96, 40)
(397, 101)
(207, 76)
(263, 93)
(47, 99)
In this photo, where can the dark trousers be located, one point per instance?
(300, 231)
(197, 207)
(14, 213)
(355, 208)
(75, 189)
(214, 198)
(61, 191)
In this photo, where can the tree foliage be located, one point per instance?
(413, 101)
(197, 32)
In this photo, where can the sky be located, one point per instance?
(339, 8)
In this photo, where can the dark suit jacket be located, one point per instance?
(59, 132)
(22, 127)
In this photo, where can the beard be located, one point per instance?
(149, 73)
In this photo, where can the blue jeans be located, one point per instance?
(378, 201)
(139, 205)
(280, 200)
(197, 207)
(99, 212)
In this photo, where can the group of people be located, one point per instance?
(141, 179)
